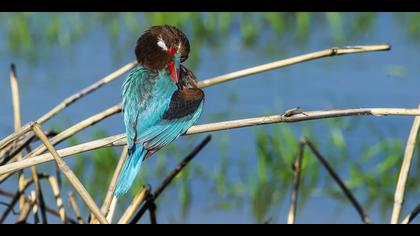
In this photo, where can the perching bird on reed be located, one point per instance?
(160, 98)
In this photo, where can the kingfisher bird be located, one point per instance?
(160, 98)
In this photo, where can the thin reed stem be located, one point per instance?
(17, 134)
(405, 169)
(297, 165)
(15, 97)
(112, 208)
(413, 214)
(336, 51)
(35, 208)
(363, 215)
(14, 85)
(152, 209)
(24, 213)
(113, 183)
(59, 201)
(39, 195)
(134, 205)
(11, 156)
(75, 208)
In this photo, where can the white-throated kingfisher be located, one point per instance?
(160, 98)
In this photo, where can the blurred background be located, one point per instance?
(243, 175)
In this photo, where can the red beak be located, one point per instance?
(174, 73)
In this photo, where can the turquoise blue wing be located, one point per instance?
(136, 95)
(166, 131)
(146, 96)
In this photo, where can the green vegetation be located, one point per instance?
(63, 29)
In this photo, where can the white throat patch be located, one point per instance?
(162, 44)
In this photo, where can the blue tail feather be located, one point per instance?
(130, 170)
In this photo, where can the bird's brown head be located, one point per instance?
(157, 46)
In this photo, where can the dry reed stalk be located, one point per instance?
(303, 116)
(111, 211)
(21, 181)
(413, 214)
(293, 60)
(14, 85)
(152, 209)
(35, 208)
(59, 201)
(134, 205)
(363, 215)
(39, 203)
(405, 169)
(39, 195)
(15, 97)
(75, 207)
(113, 183)
(11, 154)
(119, 140)
(4, 152)
(74, 181)
(73, 98)
(297, 165)
(17, 134)
(24, 213)
(110, 192)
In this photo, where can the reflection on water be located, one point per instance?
(244, 175)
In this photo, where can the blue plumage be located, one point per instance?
(160, 98)
(146, 97)
(131, 168)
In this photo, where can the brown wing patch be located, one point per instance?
(184, 102)
(187, 78)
